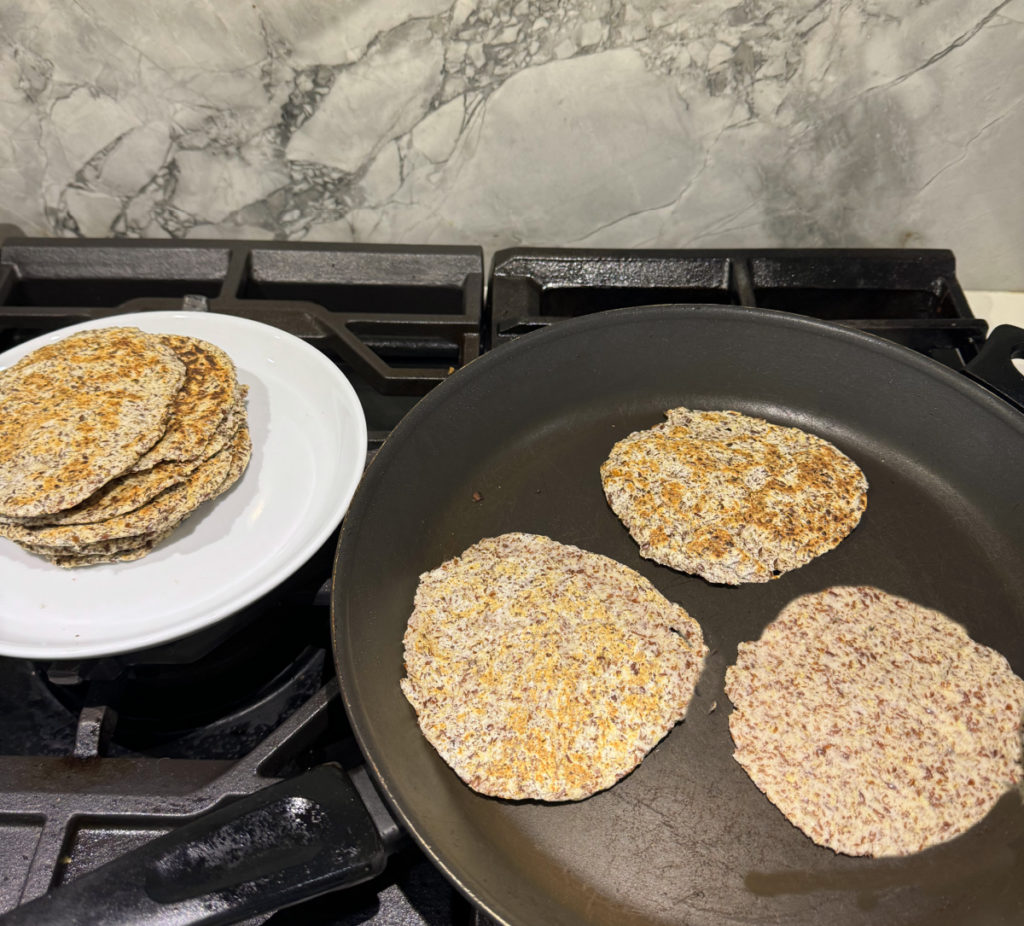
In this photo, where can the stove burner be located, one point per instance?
(214, 693)
(254, 695)
(163, 712)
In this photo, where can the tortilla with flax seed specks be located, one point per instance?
(77, 413)
(119, 496)
(877, 726)
(540, 671)
(99, 548)
(136, 546)
(132, 490)
(163, 512)
(732, 498)
(110, 551)
(200, 406)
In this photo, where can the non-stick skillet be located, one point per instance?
(514, 442)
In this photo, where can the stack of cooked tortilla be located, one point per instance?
(110, 438)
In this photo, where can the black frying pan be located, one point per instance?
(514, 442)
(687, 838)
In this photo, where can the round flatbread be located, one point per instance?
(99, 548)
(877, 726)
(241, 454)
(732, 498)
(200, 406)
(134, 489)
(125, 555)
(119, 496)
(236, 418)
(135, 547)
(158, 515)
(538, 670)
(79, 412)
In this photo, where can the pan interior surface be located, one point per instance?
(514, 443)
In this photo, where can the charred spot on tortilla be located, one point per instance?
(541, 671)
(877, 726)
(730, 497)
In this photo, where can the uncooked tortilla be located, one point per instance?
(877, 726)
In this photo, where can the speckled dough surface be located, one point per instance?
(877, 726)
(137, 546)
(236, 418)
(134, 489)
(200, 406)
(158, 515)
(730, 497)
(541, 671)
(79, 412)
(119, 496)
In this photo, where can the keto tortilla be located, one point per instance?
(540, 671)
(877, 726)
(732, 498)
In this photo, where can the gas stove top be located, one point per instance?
(98, 756)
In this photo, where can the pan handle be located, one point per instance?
(286, 843)
(993, 367)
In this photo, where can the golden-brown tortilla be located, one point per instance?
(77, 413)
(732, 498)
(160, 514)
(200, 406)
(538, 670)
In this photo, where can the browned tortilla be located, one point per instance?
(541, 671)
(110, 437)
(169, 508)
(200, 406)
(78, 413)
(732, 498)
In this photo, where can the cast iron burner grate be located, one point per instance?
(911, 297)
(99, 755)
(96, 757)
(215, 693)
(397, 320)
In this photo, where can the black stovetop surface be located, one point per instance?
(98, 756)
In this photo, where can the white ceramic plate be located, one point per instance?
(309, 449)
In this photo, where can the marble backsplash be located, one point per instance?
(587, 123)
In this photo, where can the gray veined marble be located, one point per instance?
(590, 123)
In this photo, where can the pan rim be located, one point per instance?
(358, 712)
(833, 329)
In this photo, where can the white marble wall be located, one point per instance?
(620, 123)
